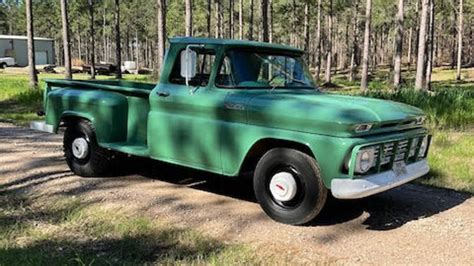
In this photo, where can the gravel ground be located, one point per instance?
(412, 224)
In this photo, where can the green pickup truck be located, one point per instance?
(232, 107)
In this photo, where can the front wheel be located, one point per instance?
(288, 186)
(83, 155)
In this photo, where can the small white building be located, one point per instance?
(17, 47)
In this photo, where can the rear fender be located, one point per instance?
(106, 110)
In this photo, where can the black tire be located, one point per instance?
(3, 65)
(310, 195)
(97, 161)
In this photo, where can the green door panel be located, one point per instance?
(185, 126)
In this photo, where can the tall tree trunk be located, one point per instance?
(104, 37)
(365, 55)
(137, 52)
(31, 45)
(241, 19)
(118, 48)
(270, 21)
(471, 46)
(208, 17)
(420, 63)
(92, 40)
(453, 37)
(189, 18)
(398, 46)
(161, 32)
(218, 19)
(417, 27)
(79, 46)
(430, 45)
(66, 41)
(264, 8)
(410, 41)
(355, 32)
(306, 28)
(231, 19)
(293, 38)
(250, 32)
(460, 32)
(318, 42)
(328, 73)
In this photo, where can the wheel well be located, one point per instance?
(68, 120)
(262, 146)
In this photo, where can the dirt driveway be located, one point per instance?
(412, 224)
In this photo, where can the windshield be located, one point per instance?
(248, 69)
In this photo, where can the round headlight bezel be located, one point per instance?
(364, 160)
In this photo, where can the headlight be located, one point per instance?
(364, 160)
(423, 147)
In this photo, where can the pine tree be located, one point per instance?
(66, 41)
(365, 53)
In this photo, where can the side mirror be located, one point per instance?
(188, 64)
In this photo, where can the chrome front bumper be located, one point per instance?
(373, 184)
(41, 126)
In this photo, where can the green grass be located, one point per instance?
(451, 159)
(19, 103)
(59, 231)
(447, 108)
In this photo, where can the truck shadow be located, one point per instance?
(385, 211)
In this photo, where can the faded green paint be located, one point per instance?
(214, 129)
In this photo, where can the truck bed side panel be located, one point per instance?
(108, 111)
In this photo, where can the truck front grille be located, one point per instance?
(387, 153)
(402, 150)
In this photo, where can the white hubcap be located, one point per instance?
(80, 148)
(283, 186)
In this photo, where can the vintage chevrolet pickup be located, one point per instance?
(230, 107)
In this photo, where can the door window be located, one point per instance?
(205, 61)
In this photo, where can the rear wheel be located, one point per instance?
(3, 65)
(83, 156)
(288, 186)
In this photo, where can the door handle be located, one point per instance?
(163, 93)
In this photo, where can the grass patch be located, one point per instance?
(451, 160)
(69, 231)
(445, 109)
(19, 103)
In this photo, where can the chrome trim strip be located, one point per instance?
(343, 188)
(41, 126)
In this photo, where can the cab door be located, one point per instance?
(184, 120)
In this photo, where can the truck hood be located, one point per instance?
(329, 114)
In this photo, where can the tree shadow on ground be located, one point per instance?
(84, 239)
(386, 211)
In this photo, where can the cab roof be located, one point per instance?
(234, 43)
